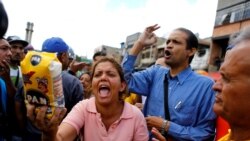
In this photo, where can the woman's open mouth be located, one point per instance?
(104, 91)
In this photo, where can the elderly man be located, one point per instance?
(233, 91)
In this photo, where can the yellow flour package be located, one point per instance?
(42, 80)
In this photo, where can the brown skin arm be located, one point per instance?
(153, 121)
(157, 135)
(51, 131)
(138, 99)
(147, 38)
(76, 66)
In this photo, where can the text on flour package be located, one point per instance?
(42, 80)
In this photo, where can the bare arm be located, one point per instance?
(76, 66)
(66, 132)
(157, 135)
(51, 131)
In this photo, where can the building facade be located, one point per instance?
(149, 54)
(114, 52)
(231, 17)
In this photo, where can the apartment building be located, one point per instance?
(231, 17)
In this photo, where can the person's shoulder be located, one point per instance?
(69, 78)
(202, 78)
(157, 69)
(90, 104)
(133, 110)
(67, 74)
(85, 103)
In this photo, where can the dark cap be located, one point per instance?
(16, 39)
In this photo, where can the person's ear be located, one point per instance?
(123, 87)
(64, 56)
(59, 56)
(192, 51)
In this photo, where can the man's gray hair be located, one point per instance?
(243, 36)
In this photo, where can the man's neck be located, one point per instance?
(14, 64)
(174, 71)
(238, 134)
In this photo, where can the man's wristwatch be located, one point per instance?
(163, 126)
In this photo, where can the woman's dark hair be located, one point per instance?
(99, 53)
(118, 67)
(86, 72)
(192, 41)
(3, 20)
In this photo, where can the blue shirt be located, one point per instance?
(190, 99)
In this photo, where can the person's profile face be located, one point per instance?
(232, 98)
(5, 53)
(64, 58)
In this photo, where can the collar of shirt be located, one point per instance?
(183, 75)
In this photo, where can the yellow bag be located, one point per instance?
(42, 80)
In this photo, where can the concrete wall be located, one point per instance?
(225, 3)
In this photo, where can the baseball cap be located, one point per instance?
(16, 39)
(55, 45)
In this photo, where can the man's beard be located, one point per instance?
(15, 62)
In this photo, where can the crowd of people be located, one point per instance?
(104, 101)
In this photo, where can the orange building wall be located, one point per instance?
(230, 28)
(226, 29)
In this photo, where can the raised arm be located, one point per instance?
(147, 38)
(139, 82)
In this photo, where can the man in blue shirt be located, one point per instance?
(190, 95)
